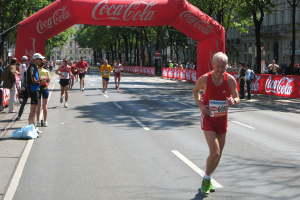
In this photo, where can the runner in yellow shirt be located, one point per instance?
(44, 75)
(105, 71)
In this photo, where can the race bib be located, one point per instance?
(218, 108)
(106, 73)
(64, 75)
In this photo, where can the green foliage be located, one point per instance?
(59, 40)
(14, 11)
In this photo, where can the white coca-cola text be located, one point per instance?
(57, 17)
(135, 11)
(193, 20)
(281, 87)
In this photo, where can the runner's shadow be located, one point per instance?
(199, 196)
(53, 107)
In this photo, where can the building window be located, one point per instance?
(282, 17)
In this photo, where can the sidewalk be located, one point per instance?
(10, 150)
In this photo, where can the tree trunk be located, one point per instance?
(126, 49)
(258, 47)
(292, 65)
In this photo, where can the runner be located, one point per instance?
(82, 67)
(64, 72)
(33, 83)
(105, 70)
(219, 90)
(44, 76)
(117, 72)
(74, 74)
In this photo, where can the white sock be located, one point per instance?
(206, 177)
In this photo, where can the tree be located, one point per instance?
(293, 4)
(257, 10)
(59, 40)
(11, 13)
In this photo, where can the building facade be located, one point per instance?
(276, 38)
(72, 51)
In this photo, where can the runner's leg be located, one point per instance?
(214, 151)
(66, 93)
(31, 118)
(38, 111)
(45, 109)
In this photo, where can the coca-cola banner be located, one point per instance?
(33, 32)
(278, 85)
(284, 86)
(180, 74)
(140, 70)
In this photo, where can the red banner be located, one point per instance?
(182, 15)
(140, 70)
(277, 85)
(284, 86)
(180, 74)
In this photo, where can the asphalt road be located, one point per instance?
(134, 144)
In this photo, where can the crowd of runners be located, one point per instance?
(31, 78)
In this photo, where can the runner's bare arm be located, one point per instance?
(57, 71)
(198, 90)
(234, 99)
(199, 86)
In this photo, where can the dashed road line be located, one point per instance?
(194, 167)
(242, 124)
(117, 105)
(185, 104)
(140, 123)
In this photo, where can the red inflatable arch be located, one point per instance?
(34, 31)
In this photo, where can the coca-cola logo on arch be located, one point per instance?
(135, 11)
(57, 17)
(283, 86)
(193, 20)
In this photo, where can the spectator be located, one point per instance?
(273, 68)
(170, 64)
(241, 78)
(249, 76)
(9, 81)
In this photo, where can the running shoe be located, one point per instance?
(66, 105)
(38, 131)
(206, 186)
(45, 124)
(212, 188)
(38, 124)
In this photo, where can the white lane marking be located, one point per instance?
(118, 106)
(14, 182)
(194, 167)
(242, 124)
(13, 185)
(185, 104)
(140, 123)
